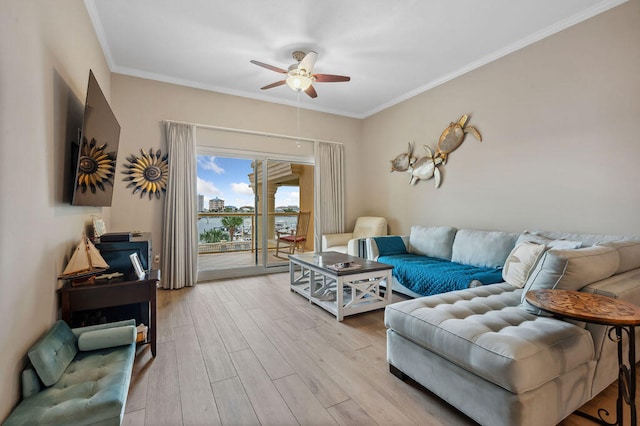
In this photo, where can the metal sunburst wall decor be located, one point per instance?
(147, 173)
(95, 166)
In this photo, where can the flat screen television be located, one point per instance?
(95, 155)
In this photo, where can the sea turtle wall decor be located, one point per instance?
(403, 161)
(428, 167)
(453, 136)
(147, 173)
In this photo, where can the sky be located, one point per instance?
(228, 179)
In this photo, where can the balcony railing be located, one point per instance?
(245, 235)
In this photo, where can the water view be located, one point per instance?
(244, 232)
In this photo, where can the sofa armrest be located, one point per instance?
(372, 251)
(31, 384)
(78, 331)
(352, 247)
(331, 240)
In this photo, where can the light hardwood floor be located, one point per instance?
(250, 352)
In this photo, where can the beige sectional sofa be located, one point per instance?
(503, 362)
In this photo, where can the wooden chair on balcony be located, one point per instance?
(296, 239)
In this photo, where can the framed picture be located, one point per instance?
(99, 227)
(137, 266)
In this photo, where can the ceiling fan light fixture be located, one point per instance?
(299, 81)
(299, 76)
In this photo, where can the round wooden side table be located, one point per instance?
(598, 309)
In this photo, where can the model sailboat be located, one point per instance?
(85, 263)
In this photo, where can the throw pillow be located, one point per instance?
(432, 241)
(521, 261)
(107, 338)
(571, 270)
(388, 246)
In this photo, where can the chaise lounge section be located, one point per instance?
(503, 362)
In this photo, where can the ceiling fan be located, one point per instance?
(299, 75)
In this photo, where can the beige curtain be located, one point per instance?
(180, 236)
(329, 187)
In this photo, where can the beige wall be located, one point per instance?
(560, 122)
(47, 49)
(141, 105)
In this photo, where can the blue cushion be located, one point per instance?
(428, 275)
(106, 338)
(51, 355)
(388, 246)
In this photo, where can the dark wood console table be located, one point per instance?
(110, 293)
(598, 309)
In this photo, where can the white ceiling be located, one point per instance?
(391, 49)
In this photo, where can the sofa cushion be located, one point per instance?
(388, 246)
(51, 355)
(432, 241)
(521, 261)
(571, 270)
(629, 252)
(107, 338)
(483, 331)
(549, 242)
(482, 248)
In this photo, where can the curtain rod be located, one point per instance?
(251, 132)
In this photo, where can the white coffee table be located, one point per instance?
(342, 292)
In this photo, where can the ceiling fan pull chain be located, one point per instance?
(298, 122)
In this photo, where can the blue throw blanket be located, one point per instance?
(427, 275)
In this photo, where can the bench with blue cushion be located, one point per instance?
(77, 376)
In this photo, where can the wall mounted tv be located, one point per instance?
(94, 156)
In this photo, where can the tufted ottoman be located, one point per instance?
(494, 361)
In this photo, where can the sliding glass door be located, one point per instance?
(244, 204)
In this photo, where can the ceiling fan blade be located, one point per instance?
(272, 85)
(269, 67)
(329, 78)
(311, 92)
(308, 61)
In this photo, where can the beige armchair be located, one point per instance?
(366, 226)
